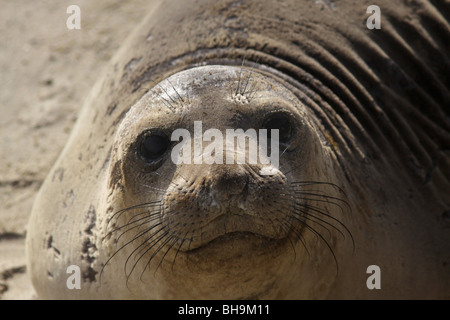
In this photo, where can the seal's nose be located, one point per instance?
(228, 180)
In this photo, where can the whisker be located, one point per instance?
(168, 95)
(179, 247)
(123, 246)
(187, 97)
(253, 91)
(322, 195)
(179, 174)
(322, 238)
(150, 213)
(307, 199)
(231, 87)
(305, 183)
(137, 251)
(170, 180)
(309, 217)
(154, 243)
(318, 210)
(143, 223)
(162, 191)
(139, 206)
(131, 223)
(168, 249)
(284, 150)
(168, 104)
(247, 82)
(240, 75)
(299, 236)
(141, 247)
(179, 97)
(288, 228)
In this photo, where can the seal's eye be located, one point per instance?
(281, 122)
(153, 147)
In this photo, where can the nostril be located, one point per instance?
(229, 180)
(231, 183)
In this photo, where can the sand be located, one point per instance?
(46, 71)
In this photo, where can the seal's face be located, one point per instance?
(198, 209)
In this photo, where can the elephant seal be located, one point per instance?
(363, 176)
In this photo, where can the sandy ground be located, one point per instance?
(46, 71)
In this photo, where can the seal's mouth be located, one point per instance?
(235, 244)
(233, 230)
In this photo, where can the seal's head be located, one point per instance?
(203, 218)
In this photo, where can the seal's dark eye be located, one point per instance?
(282, 123)
(153, 147)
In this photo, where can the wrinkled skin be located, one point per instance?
(363, 181)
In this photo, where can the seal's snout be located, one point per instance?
(223, 199)
(229, 180)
